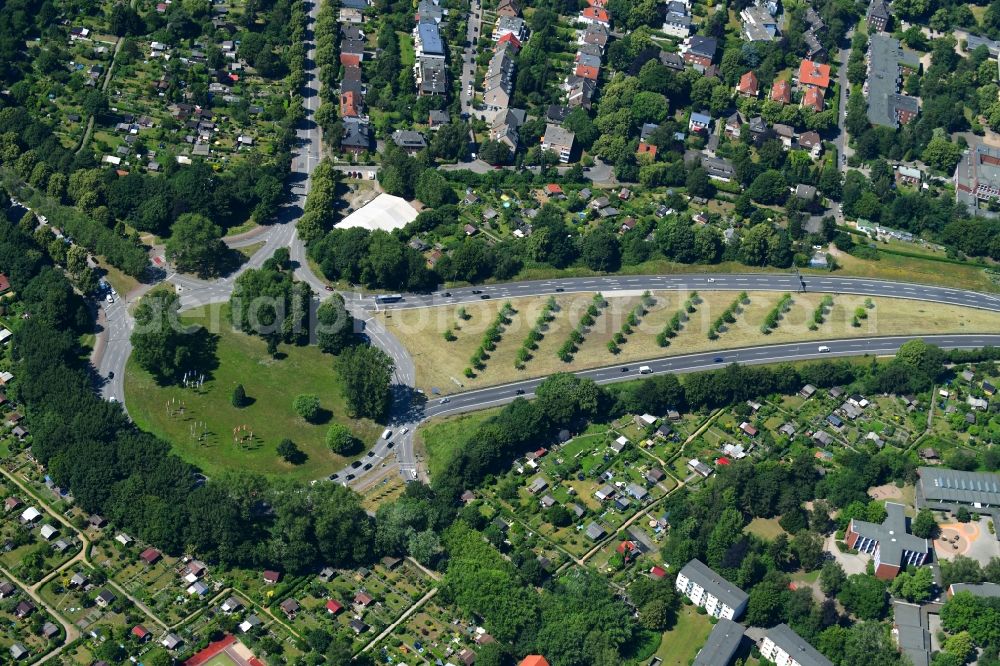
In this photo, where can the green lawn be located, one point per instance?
(271, 385)
(681, 644)
(765, 528)
(439, 439)
(407, 56)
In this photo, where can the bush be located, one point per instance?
(239, 396)
(307, 406)
(341, 440)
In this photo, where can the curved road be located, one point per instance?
(409, 408)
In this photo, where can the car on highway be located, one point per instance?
(624, 368)
(446, 294)
(485, 297)
(519, 392)
(350, 477)
(445, 401)
(711, 279)
(560, 289)
(335, 476)
(356, 464)
(371, 453)
(389, 445)
(823, 349)
(403, 431)
(477, 291)
(718, 359)
(367, 466)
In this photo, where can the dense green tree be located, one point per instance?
(341, 440)
(195, 245)
(335, 325)
(161, 344)
(366, 372)
(307, 406)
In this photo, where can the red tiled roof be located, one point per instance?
(150, 555)
(509, 37)
(814, 74)
(596, 14)
(722, 461)
(748, 84)
(334, 606)
(4, 283)
(781, 91)
(646, 148)
(553, 188)
(813, 98)
(534, 660)
(139, 631)
(587, 72)
(350, 59)
(657, 573)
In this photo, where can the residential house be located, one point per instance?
(595, 15)
(677, 22)
(171, 641)
(510, 25)
(758, 24)
(812, 98)
(596, 34)
(150, 556)
(105, 598)
(410, 141)
(886, 60)
(748, 86)
(699, 51)
(508, 8)
(811, 142)
(506, 125)
(890, 544)
(785, 134)
(781, 92)
(707, 589)
(814, 74)
(141, 633)
(699, 122)
(558, 140)
(878, 16)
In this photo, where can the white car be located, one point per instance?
(711, 279)
(445, 401)
(403, 431)
(110, 298)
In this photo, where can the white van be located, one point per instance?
(386, 434)
(645, 370)
(823, 349)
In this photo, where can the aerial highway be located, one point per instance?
(494, 396)
(409, 407)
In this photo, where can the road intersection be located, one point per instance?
(409, 406)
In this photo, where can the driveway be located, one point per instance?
(853, 564)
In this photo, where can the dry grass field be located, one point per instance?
(439, 362)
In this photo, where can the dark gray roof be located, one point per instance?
(430, 39)
(878, 9)
(720, 588)
(356, 134)
(885, 55)
(913, 637)
(703, 46)
(891, 535)
(722, 644)
(949, 485)
(978, 589)
(796, 646)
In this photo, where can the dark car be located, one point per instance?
(111, 375)
(328, 288)
(477, 291)
(356, 464)
(519, 392)
(389, 445)
(447, 294)
(718, 359)
(371, 453)
(560, 289)
(335, 476)
(485, 297)
(367, 466)
(625, 368)
(350, 477)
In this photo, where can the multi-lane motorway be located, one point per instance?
(409, 407)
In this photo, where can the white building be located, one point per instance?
(784, 647)
(709, 590)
